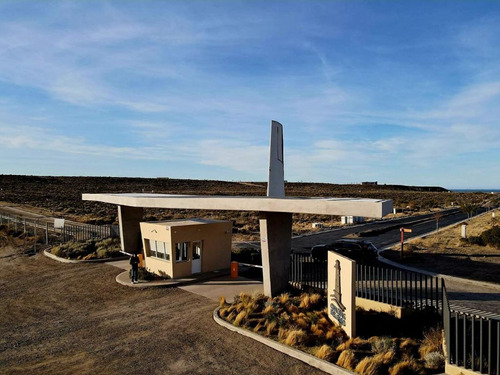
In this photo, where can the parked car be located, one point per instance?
(359, 250)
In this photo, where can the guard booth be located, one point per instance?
(180, 248)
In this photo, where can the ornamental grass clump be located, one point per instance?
(240, 318)
(347, 359)
(271, 328)
(326, 352)
(406, 367)
(432, 342)
(381, 344)
(295, 337)
(378, 364)
(303, 322)
(434, 361)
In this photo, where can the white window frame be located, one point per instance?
(158, 247)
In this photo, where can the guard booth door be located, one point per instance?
(196, 257)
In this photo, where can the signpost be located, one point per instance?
(403, 231)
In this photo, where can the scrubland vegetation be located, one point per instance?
(475, 257)
(302, 322)
(62, 197)
(90, 249)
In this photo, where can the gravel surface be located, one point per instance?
(65, 319)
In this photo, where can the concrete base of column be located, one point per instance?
(130, 230)
(276, 245)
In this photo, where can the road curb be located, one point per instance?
(311, 360)
(123, 278)
(77, 261)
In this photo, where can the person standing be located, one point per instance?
(134, 262)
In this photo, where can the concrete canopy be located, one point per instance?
(373, 208)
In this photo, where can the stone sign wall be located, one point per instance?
(342, 292)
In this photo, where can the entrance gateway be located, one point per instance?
(275, 212)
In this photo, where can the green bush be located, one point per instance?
(474, 240)
(491, 237)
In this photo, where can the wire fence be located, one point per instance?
(45, 232)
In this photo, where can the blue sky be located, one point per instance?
(396, 91)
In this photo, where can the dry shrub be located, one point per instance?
(316, 331)
(406, 367)
(347, 360)
(250, 306)
(292, 309)
(282, 334)
(302, 323)
(251, 322)
(387, 358)
(335, 333)
(314, 299)
(324, 324)
(381, 344)
(231, 316)
(376, 364)
(409, 348)
(222, 301)
(240, 306)
(244, 297)
(271, 327)
(368, 366)
(434, 361)
(355, 343)
(305, 301)
(313, 316)
(240, 318)
(258, 296)
(258, 327)
(432, 342)
(284, 298)
(295, 337)
(326, 352)
(223, 312)
(269, 310)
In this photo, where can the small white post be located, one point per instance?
(464, 231)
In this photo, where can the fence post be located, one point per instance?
(35, 222)
(47, 233)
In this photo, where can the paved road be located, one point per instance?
(384, 232)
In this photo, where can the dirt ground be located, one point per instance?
(66, 319)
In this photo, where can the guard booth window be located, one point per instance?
(181, 251)
(158, 249)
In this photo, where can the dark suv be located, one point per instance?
(360, 251)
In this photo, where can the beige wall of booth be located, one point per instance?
(213, 236)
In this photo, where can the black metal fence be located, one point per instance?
(306, 273)
(472, 341)
(398, 287)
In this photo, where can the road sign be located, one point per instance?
(407, 230)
